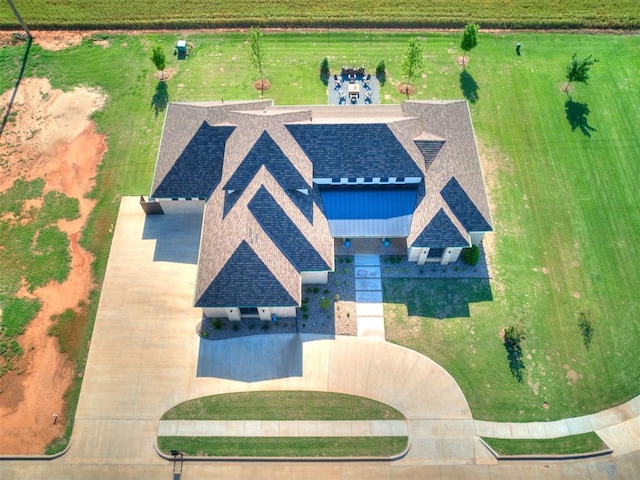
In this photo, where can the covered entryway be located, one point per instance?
(369, 219)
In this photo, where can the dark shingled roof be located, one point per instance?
(354, 150)
(244, 276)
(458, 157)
(197, 171)
(285, 234)
(266, 152)
(463, 208)
(440, 232)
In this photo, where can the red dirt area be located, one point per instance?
(51, 137)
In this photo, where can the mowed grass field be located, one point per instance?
(565, 203)
(307, 13)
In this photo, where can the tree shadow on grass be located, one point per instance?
(578, 116)
(469, 87)
(160, 98)
(514, 356)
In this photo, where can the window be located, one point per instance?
(351, 180)
(400, 180)
(335, 180)
(368, 180)
(384, 179)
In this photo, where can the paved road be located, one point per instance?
(145, 357)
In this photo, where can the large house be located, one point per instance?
(282, 189)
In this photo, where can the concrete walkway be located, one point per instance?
(299, 428)
(369, 308)
(145, 358)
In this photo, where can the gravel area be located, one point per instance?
(331, 309)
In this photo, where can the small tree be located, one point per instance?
(324, 67)
(578, 70)
(257, 54)
(469, 40)
(412, 61)
(159, 59)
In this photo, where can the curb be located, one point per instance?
(573, 456)
(187, 458)
(4, 458)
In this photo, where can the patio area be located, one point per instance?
(353, 86)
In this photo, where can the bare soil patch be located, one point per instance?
(262, 85)
(51, 138)
(406, 89)
(462, 60)
(165, 74)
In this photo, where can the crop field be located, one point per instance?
(623, 14)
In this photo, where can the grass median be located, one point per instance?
(572, 444)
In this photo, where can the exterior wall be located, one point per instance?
(476, 237)
(314, 277)
(183, 206)
(454, 254)
(418, 254)
(233, 313)
(370, 181)
(277, 311)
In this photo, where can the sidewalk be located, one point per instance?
(619, 427)
(275, 428)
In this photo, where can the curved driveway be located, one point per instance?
(145, 358)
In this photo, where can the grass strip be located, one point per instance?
(283, 405)
(285, 446)
(573, 444)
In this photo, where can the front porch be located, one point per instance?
(370, 246)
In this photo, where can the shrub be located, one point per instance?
(324, 67)
(586, 327)
(265, 326)
(471, 255)
(235, 327)
(326, 291)
(304, 308)
(316, 289)
(305, 316)
(514, 334)
(325, 303)
(381, 69)
(217, 323)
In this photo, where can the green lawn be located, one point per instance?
(583, 443)
(283, 405)
(565, 203)
(242, 13)
(285, 446)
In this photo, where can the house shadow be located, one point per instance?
(160, 98)
(7, 110)
(177, 237)
(578, 116)
(251, 359)
(469, 87)
(437, 298)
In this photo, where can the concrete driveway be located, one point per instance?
(145, 357)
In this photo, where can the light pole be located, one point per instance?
(19, 17)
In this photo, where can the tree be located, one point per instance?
(578, 70)
(159, 59)
(469, 40)
(257, 54)
(412, 61)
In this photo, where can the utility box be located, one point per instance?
(181, 48)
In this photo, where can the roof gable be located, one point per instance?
(266, 152)
(284, 233)
(354, 150)
(440, 232)
(197, 171)
(245, 277)
(463, 207)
